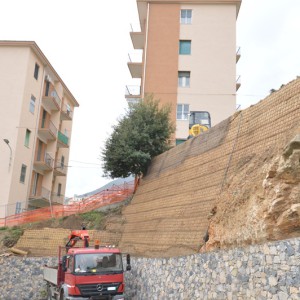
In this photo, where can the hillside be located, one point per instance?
(43, 238)
(236, 184)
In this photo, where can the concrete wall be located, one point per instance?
(212, 63)
(169, 213)
(17, 86)
(269, 271)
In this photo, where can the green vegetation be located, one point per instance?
(93, 219)
(143, 133)
(12, 236)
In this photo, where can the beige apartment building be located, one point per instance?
(36, 123)
(188, 59)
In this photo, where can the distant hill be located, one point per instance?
(118, 181)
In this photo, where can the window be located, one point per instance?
(186, 16)
(36, 71)
(182, 111)
(184, 78)
(184, 47)
(27, 137)
(59, 190)
(23, 174)
(62, 162)
(32, 104)
(18, 208)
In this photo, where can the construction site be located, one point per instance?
(234, 185)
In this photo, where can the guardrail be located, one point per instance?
(115, 194)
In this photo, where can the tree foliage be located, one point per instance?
(141, 134)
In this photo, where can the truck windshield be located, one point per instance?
(98, 263)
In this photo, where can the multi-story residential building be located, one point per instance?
(35, 128)
(188, 59)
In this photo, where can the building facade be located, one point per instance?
(35, 130)
(188, 59)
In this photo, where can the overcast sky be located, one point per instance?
(87, 43)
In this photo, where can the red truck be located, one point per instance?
(86, 273)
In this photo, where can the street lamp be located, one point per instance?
(7, 142)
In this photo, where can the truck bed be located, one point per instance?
(50, 274)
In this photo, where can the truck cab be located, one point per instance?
(89, 273)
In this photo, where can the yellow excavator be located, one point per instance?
(199, 122)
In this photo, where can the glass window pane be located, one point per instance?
(23, 174)
(32, 104)
(179, 111)
(183, 79)
(27, 137)
(184, 47)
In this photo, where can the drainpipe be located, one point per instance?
(145, 54)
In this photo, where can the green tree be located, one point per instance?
(141, 134)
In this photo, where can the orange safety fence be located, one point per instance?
(115, 194)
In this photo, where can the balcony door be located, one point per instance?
(40, 151)
(36, 178)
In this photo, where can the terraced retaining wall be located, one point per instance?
(169, 214)
(269, 271)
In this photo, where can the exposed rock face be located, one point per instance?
(261, 202)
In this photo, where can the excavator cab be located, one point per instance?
(199, 121)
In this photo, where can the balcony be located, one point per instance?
(39, 197)
(57, 199)
(135, 64)
(238, 82)
(137, 37)
(62, 140)
(133, 93)
(59, 169)
(51, 101)
(238, 54)
(44, 163)
(66, 113)
(47, 130)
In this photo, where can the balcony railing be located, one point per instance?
(63, 140)
(45, 163)
(55, 97)
(41, 193)
(135, 27)
(66, 113)
(48, 130)
(60, 169)
(135, 64)
(238, 53)
(135, 57)
(238, 82)
(137, 37)
(51, 99)
(133, 90)
(52, 128)
(57, 199)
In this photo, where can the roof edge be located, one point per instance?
(36, 49)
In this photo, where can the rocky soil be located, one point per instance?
(261, 200)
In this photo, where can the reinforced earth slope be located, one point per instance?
(206, 184)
